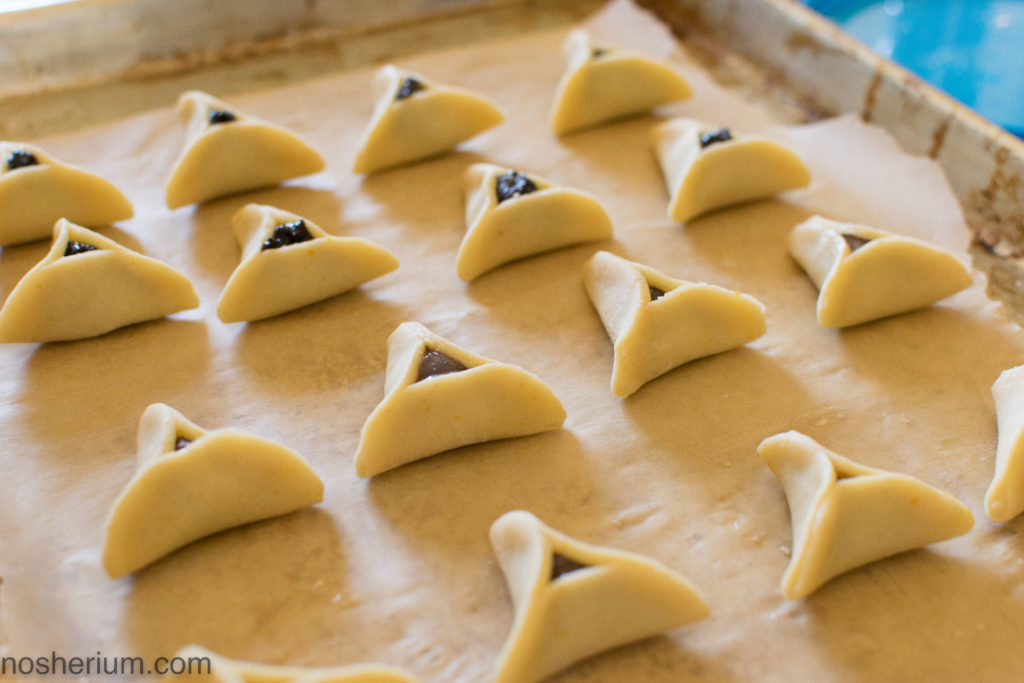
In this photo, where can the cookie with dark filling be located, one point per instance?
(36, 190)
(289, 262)
(438, 396)
(573, 600)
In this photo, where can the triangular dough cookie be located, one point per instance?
(289, 262)
(602, 84)
(36, 190)
(1005, 497)
(191, 483)
(573, 600)
(415, 118)
(227, 151)
(438, 396)
(846, 515)
(708, 168)
(87, 285)
(209, 667)
(658, 323)
(864, 274)
(510, 215)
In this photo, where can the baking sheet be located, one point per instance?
(399, 569)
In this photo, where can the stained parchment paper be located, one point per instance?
(399, 569)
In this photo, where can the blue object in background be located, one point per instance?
(972, 49)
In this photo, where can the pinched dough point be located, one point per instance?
(36, 191)
(279, 273)
(1005, 497)
(688, 320)
(845, 514)
(511, 215)
(573, 600)
(438, 396)
(864, 274)
(227, 151)
(88, 285)
(415, 118)
(602, 85)
(191, 483)
(706, 174)
(224, 670)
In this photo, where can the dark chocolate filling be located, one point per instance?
(656, 293)
(854, 241)
(409, 87)
(560, 564)
(181, 442)
(287, 233)
(511, 184)
(714, 135)
(19, 158)
(436, 363)
(221, 116)
(75, 247)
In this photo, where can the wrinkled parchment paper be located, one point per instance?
(399, 569)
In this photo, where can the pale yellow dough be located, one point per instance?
(489, 400)
(222, 479)
(33, 198)
(616, 598)
(889, 274)
(549, 218)
(87, 294)
(845, 514)
(224, 670)
(427, 123)
(597, 88)
(691, 320)
(235, 156)
(274, 281)
(1005, 497)
(700, 180)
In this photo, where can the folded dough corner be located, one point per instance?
(863, 274)
(227, 151)
(37, 190)
(573, 600)
(209, 667)
(845, 514)
(1004, 499)
(438, 396)
(88, 285)
(657, 323)
(415, 118)
(602, 84)
(289, 262)
(511, 215)
(708, 168)
(191, 483)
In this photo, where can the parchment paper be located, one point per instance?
(399, 569)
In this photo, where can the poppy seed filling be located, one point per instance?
(287, 233)
(511, 184)
(409, 87)
(19, 158)
(714, 135)
(221, 116)
(75, 247)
